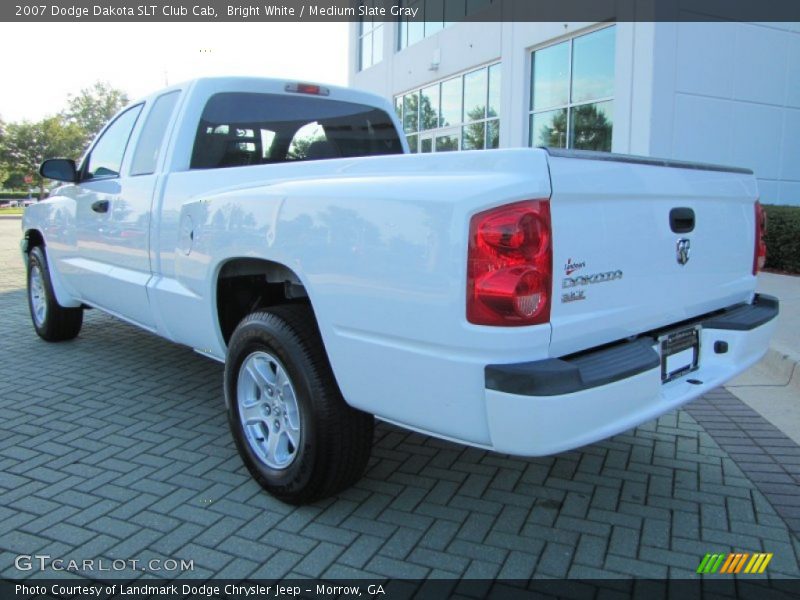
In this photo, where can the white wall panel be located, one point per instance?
(703, 129)
(737, 86)
(756, 135)
(790, 146)
(704, 52)
(789, 192)
(760, 63)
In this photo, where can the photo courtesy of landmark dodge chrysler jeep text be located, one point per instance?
(526, 301)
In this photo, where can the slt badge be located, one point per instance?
(682, 249)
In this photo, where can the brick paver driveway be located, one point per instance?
(116, 445)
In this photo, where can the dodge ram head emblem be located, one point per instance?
(682, 251)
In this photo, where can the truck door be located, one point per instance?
(105, 214)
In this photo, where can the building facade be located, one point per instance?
(725, 93)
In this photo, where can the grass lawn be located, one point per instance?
(11, 211)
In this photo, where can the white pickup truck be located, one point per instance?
(526, 301)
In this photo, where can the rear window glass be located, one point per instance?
(239, 129)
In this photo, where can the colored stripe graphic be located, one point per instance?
(703, 563)
(734, 562)
(732, 558)
(754, 564)
(765, 563)
(737, 563)
(758, 563)
(741, 562)
(710, 563)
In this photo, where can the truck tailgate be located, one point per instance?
(624, 261)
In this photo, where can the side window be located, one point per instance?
(105, 159)
(153, 133)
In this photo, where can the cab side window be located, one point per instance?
(105, 159)
(153, 133)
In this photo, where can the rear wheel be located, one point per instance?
(51, 321)
(297, 436)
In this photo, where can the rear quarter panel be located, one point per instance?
(380, 245)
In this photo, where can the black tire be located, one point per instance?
(335, 439)
(58, 323)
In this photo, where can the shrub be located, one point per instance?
(783, 238)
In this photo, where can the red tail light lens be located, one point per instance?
(760, 250)
(307, 88)
(510, 265)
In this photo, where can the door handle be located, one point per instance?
(101, 206)
(681, 220)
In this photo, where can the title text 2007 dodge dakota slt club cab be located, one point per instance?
(526, 301)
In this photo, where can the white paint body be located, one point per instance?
(380, 245)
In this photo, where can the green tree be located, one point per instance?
(429, 117)
(93, 107)
(410, 113)
(27, 144)
(14, 181)
(299, 149)
(4, 170)
(474, 135)
(591, 129)
(302, 140)
(554, 133)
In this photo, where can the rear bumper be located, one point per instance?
(552, 405)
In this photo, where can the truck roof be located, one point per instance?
(272, 85)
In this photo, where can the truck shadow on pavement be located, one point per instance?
(117, 444)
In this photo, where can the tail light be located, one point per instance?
(760, 249)
(510, 265)
(307, 88)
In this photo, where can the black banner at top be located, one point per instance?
(393, 10)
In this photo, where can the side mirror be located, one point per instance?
(60, 169)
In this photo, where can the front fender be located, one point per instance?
(35, 234)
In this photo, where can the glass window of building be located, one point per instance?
(411, 112)
(459, 113)
(433, 16)
(572, 92)
(370, 40)
(429, 107)
(476, 87)
(451, 102)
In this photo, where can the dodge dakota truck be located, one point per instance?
(525, 301)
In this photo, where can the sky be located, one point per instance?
(45, 62)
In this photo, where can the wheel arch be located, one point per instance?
(32, 238)
(245, 284)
